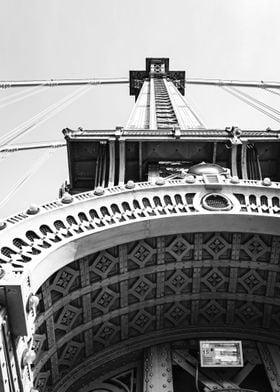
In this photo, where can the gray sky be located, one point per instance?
(231, 39)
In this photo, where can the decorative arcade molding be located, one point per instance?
(166, 206)
(140, 264)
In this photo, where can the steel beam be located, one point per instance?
(271, 356)
(158, 369)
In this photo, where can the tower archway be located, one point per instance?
(129, 278)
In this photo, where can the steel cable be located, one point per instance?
(17, 97)
(42, 116)
(26, 177)
(269, 90)
(248, 102)
(193, 107)
(255, 100)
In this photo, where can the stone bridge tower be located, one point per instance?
(168, 234)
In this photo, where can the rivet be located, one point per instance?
(266, 181)
(190, 179)
(130, 184)
(67, 198)
(234, 180)
(160, 181)
(99, 191)
(33, 209)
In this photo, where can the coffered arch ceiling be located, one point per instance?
(187, 285)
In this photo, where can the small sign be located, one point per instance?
(218, 353)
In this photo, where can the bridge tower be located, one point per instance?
(166, 238)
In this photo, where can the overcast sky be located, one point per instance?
(223, 39)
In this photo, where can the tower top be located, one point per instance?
(155, 67)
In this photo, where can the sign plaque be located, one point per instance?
(221, 353)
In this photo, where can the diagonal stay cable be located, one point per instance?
(18, 94)
(42, 116)
(26, 176)
(258, 102)
(192, 106)
(24, 94)
(271, 91)
(248, 102)
(29, 121)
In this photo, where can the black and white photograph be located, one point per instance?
(140, 196)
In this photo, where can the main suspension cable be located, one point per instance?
(236, 83)
(32, 146)
(61, 82)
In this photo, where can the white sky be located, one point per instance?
(226, 39)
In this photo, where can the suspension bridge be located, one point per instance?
(243, 91)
